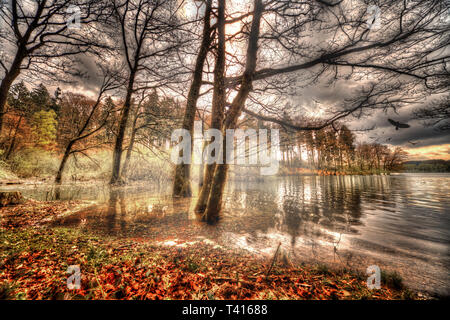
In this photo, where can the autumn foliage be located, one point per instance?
(34, 260)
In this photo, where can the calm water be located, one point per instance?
(399, 222)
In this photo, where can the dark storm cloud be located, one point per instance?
(423, 136)
(385, 133)
(87, 75)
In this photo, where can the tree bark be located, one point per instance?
(182, 184)
(130, 148)
(4, 89)
(117, 156)
(63, 163)
(214, 205)
(218, 104)
(8, 80)
(208, 176)
(202, 167)
(13, 141)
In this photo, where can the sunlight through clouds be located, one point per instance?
(429, 152)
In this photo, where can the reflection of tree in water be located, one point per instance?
(340, 203)
(301, 206)
(381, 189)
(310, 208)
(140, 216)
(111, 212)
(58, 193)
(332, 204)
(304, 206)
(249, 208)
(286, 204)
(293, 219)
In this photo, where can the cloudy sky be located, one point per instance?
(420, 141)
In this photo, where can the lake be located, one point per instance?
(398, 222)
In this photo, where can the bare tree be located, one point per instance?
(218, 102)
(91, 117)
(220, 173)
(146, 37)
(38, 36)
(153, 120)
(182, 184)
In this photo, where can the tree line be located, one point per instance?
(336, 151)
(427, 166)
(72, 124)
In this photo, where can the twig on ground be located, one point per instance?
(273, 260)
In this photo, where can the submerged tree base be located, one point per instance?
(34, 262)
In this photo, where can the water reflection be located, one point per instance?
(292, 204)
(398, 222)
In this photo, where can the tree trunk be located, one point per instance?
(8, 80)
(4, 89)
(202, 167)
(182, 184)
(214, 206)
(206, 188)
(117, 156)
(130, 148)
(13, 142)
(63, 163)
(201, 175)
(126, 164)
(218, 104)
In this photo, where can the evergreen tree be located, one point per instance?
(44, 125)
(41, 98)
(19, 98)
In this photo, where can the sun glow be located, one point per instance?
(429, 152)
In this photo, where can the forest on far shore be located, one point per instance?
(427, 166)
